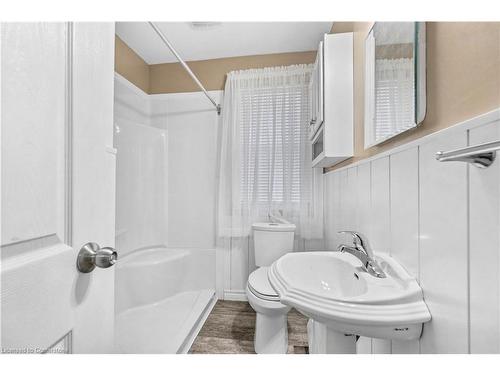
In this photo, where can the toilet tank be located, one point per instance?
(271, 241)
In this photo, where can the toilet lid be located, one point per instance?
(259, 284)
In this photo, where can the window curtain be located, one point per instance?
(265, 164)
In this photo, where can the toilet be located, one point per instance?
(271, 241)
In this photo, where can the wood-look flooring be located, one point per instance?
(230, 327)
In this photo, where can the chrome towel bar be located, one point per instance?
(482, 156)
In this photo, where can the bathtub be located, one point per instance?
(162, 297)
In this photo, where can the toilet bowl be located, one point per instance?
(271, 333)
(271, 241)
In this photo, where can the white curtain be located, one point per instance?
(395, 96)
(265, 162)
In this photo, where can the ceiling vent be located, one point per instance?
(204, 25)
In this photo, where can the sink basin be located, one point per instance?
(331, 288)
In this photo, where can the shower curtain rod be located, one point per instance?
(185, 66)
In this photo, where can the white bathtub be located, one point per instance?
(161, 298)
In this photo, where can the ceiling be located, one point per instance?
(211, 40)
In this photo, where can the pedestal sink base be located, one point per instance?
(324, 340)
(271, 337)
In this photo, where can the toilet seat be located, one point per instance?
(259, 285)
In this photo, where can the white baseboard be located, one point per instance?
(235, 295)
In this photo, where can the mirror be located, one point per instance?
(395, 98)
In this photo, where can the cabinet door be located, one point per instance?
(316, 94)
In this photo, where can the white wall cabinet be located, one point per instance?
(332, 139)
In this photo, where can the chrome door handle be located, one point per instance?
(91, 255)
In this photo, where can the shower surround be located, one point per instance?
(165, 202)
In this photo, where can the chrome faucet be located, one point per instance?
(361, 249)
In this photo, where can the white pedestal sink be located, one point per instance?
(344, 301)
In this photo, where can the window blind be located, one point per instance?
(272, 130)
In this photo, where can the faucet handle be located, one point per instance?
(360, 241)
(357, 238)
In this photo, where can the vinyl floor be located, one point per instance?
(230, 327)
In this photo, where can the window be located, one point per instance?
(272, 139)
(265, 153)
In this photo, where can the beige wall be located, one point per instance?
(171, 77)
(130, 65)
(463, 75)
(463, 78)
(168, 78)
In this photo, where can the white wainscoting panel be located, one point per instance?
(363, 208)
(222, 267)
(441, 221)
(404, 222)
(239, 263)
(364, 199)
(333, 217)
(484, 248)
(380, 233)
(251, 256)
(330, 212)
(404, 209)
(443, 246)
(350, 198)
(343, 203)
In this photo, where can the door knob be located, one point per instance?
(91, 255)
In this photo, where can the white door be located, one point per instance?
(57, 185)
